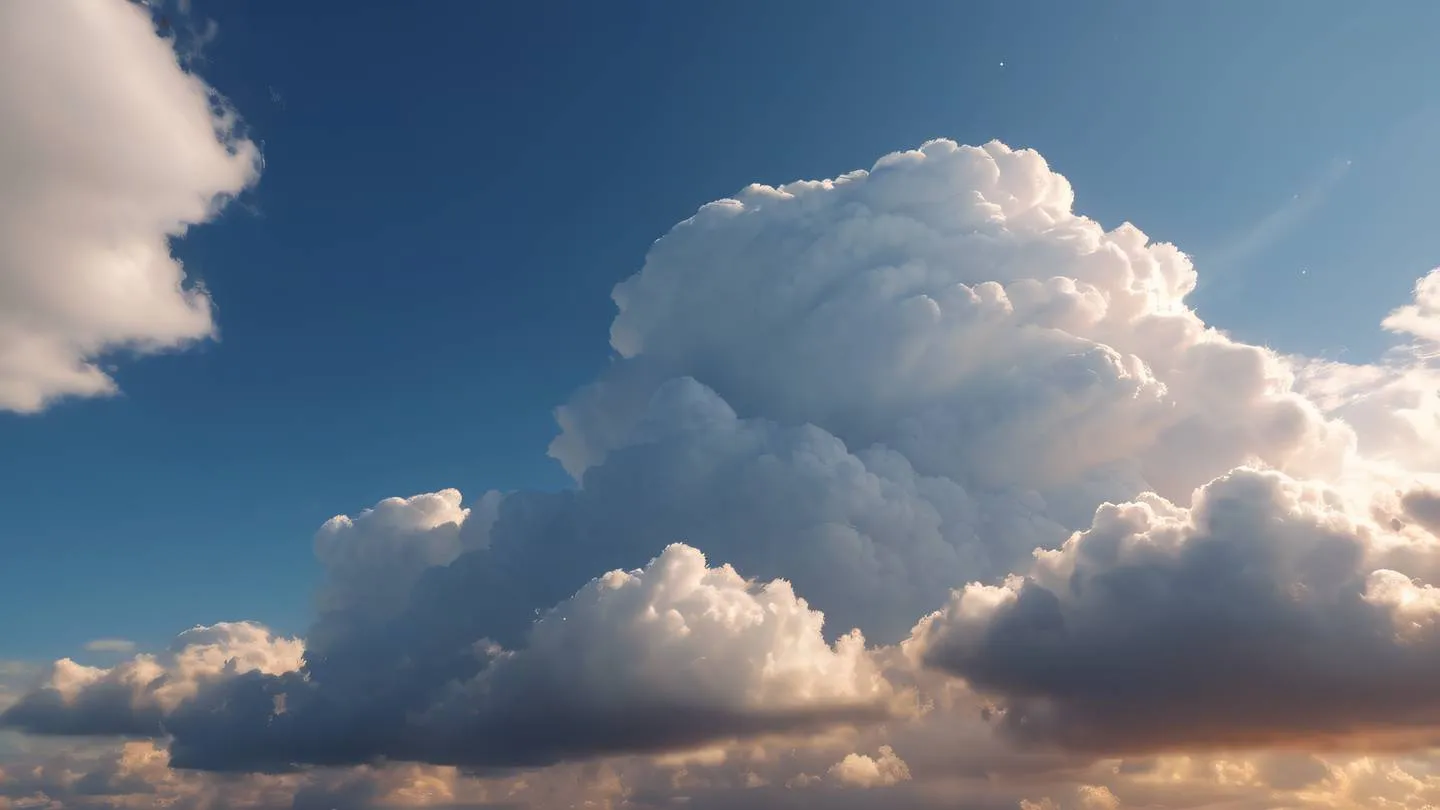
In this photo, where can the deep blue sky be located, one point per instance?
(452, 187)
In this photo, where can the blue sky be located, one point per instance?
(451, 189)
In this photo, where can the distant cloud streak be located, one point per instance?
(110, 645)
(1220, 262)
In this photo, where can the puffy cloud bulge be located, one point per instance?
(110, 150)
(135, 697)
(865, 393)
(1256, 616)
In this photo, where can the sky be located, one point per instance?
(513, 404)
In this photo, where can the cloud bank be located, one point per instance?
(111, 150)
(674, 654)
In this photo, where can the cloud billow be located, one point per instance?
(674, 654)
(1249, 618)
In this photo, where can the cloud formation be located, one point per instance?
(1255, 616)
(865, 393)
(862, 771)
(950, 305)
(672, 655)
(1420, 319)
(111, 150)
(668, 656)
(133, 698)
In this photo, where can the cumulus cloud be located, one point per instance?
(945, 773)
(1423, 506)
(372, 561)
(866, 392)
(952, 306)
(1018, 366)
(861, 533)
(1392, 404)
(1420, 319)
(134, 697)
(111, 150)
(862, 771)
(672, 655)
(1254, 616)
(110, 645)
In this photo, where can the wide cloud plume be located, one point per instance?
(111, 149)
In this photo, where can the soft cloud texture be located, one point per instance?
(1255, 616)
(134, 697)
(1420, 319)
(952, 306)
(1391, 404)
(373, 561)
(672, 655)
(111, 149)
(676, 654)
(862, 771)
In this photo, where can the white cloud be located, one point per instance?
(860, 532)
(1421, 318)
(677, 654)
(1256, 616)
(1097, 797)
(672, 654)
(863, 771)
(952, 306)
(111, 150)
(1392, 405)
(373, 560)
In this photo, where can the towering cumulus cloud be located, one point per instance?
(110, 150)
(928, 408)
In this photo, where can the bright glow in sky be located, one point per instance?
(629, 406)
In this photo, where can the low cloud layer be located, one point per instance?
(135, 697)
(111, 150)
(672, 655)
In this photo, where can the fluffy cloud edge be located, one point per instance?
(116, 150)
